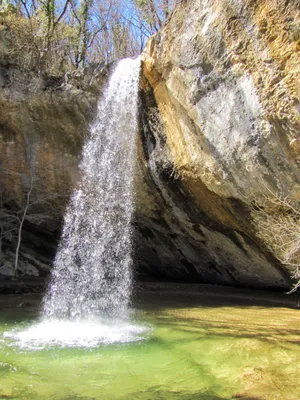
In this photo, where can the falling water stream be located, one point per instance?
(92, 270)
(89, 293)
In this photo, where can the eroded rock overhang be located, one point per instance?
(220, 132)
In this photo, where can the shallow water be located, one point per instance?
(177, 350)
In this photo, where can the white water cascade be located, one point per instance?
(87, 301)
(92, 269)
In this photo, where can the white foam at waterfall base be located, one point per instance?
(92, 273)
(77, 333)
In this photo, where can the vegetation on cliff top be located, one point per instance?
(55, 36)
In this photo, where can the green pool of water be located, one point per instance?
(191, 352)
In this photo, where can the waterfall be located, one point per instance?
(92, 269)
(90, 287)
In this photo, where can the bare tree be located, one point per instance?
(155, 12)
(54, 36)
(52, 18)
(37, 206)
(21, 220)
(166, 8)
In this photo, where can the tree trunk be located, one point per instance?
(154, 15)
(166, 8)
(20, 230)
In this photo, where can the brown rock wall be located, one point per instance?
(224, 76)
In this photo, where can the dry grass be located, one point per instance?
(277, 221)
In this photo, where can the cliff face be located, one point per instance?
(223, 76)
(43, 123)
(219, 139)
(228, 74)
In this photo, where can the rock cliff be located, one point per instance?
(219, 139)
(43, 123)
(223, 78)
